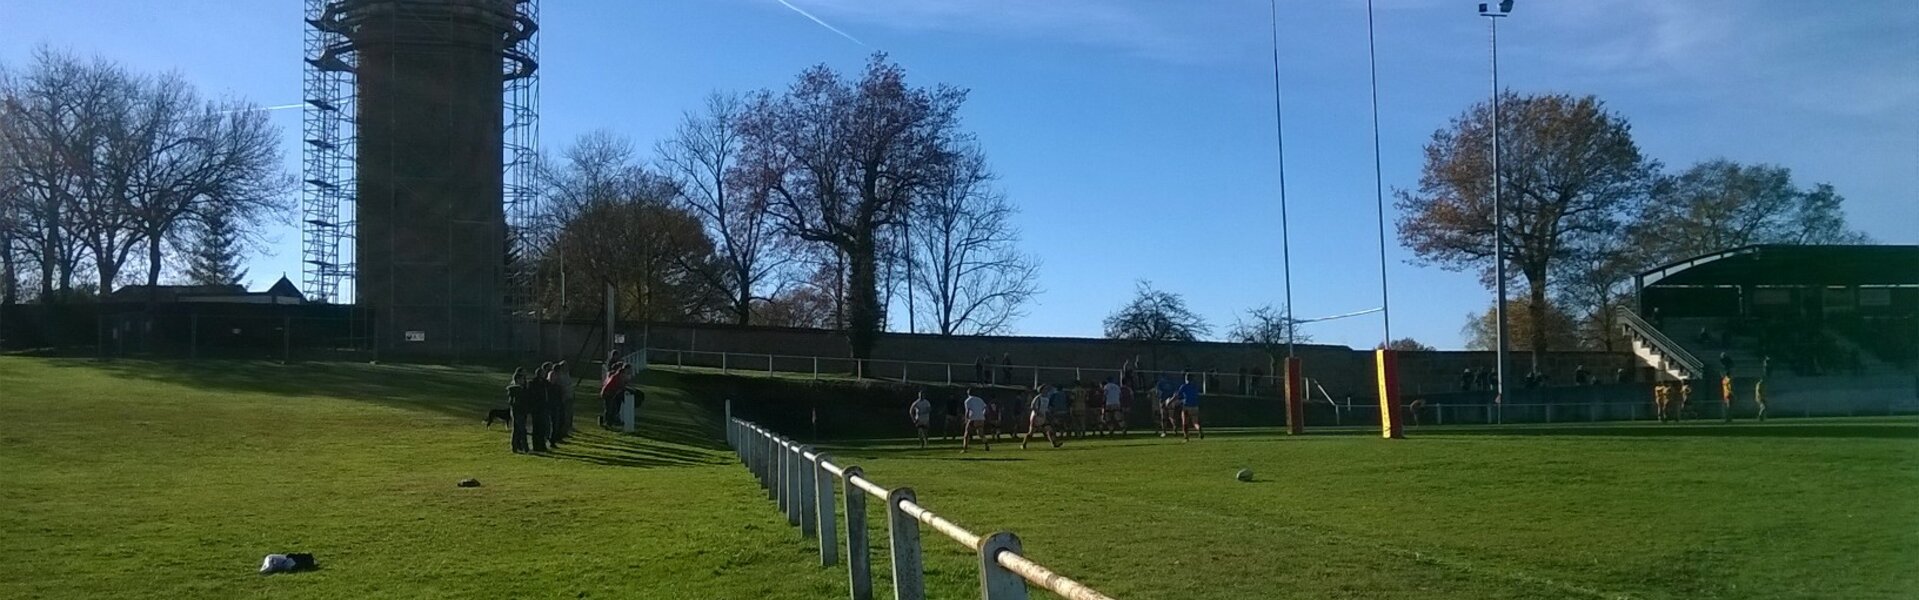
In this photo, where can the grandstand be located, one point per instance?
(1830, 329)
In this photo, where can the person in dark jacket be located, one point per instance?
(556, 403)
(538, 390)
(517, 404)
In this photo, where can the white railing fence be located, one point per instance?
(802, 482)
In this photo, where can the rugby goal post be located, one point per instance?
(1390, 415)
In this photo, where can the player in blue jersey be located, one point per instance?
(1189, 409)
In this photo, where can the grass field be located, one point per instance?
(171, 480)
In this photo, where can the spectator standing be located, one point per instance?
(565, 412)
(537, 394)
(516, 406)
(555, 404)
(1581, 376)
(610, 390)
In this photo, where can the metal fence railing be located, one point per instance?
(802, 481)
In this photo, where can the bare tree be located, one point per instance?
(807, 305)
(1269, 328)
(102, 162)
(117, 141)
(965, 261)
(55, 106)
(598, 167)
(1594, 284)
(1156, 316)
(209, 166)
(612, 222)
(842, 160)
(13, 203)
(1720, 205)
(702, 158)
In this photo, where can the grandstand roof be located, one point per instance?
(1779, 265)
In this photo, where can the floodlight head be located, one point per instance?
(1505, 6)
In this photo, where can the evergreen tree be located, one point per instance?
(214, 250)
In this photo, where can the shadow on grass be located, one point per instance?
(632, 453)
(969, 457)
(451, 391)
(1891, 430)
(458, 392)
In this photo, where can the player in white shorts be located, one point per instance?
(922, 415)
(975, 408)
(1114, 417)
(1040, 415)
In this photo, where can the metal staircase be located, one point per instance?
(1656, 350)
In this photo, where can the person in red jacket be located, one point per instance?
(610, 390)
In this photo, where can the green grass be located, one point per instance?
(171, 480)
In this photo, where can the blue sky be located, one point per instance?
(1136, 136)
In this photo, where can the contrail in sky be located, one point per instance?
(829, 27)
(263, 108)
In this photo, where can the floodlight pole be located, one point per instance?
(1499, 220)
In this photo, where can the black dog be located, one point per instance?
(503, 415)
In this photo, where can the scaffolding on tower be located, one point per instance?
(327, 155)
(520, 158)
